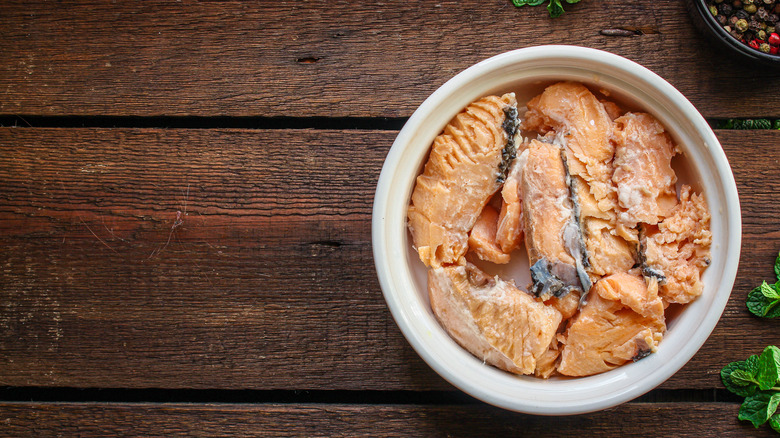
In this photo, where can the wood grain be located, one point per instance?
(629, 420)
(327, 59)
(236, 259)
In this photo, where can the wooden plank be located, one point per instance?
(306, 58)
(242, 259)
(146, 419)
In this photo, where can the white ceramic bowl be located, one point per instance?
(403, 277)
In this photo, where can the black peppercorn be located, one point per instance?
(742, 15)
(737, 4)
(771, 19)
(762, 14)
(725, 9)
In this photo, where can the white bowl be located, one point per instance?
(403, 277)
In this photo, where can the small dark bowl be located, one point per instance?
(706, 23)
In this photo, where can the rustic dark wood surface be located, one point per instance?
(185, 207)
(144, 419)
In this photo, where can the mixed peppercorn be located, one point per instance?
(753, 22)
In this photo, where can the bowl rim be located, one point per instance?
(725, 38)
(422, 337)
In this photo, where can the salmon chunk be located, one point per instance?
(677, 251)
(623, 320)
(493, 319)
(467, 165)
(482, 239)
(584, 127)
(509, 231)
(643, 175)
(548, 221)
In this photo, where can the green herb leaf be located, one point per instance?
(571, 2)
(777, 260)
(774, 422)
(738, 377)
(758, 407)
(762, 124)
(768, 370)
(776, 125)
(762, 305)
(769, 291)
(555, 8)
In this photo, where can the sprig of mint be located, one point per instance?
(764, 301)
(756, 379)
(555, 8)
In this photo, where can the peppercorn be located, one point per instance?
(762, 14)
(742, 15)
(761, 35)
(725, 9)
(748, 2)
(774, 39)
(754, 25)
(750, 9)
(741, 25)
(777, 8)
(737, 4)
(771, 19)
(713, 10)
(770, 29)
(722, 19)
(764, 47)
(733, 20)
(768, 2)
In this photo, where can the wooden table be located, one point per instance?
(185, 210)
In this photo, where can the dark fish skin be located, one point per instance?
(546, 283)
(578, 249)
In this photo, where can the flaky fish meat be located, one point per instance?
(677, 251)
(468, 163)
(643, 175)
(583, 126)
(482, 238)
(623, 320)
(494, 320)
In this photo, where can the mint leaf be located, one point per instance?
(738, 378)
(777, 260)
(758, 407)
(555, 8)
(768, 370)
(774, 422)
(769, 291)
(762, 305)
